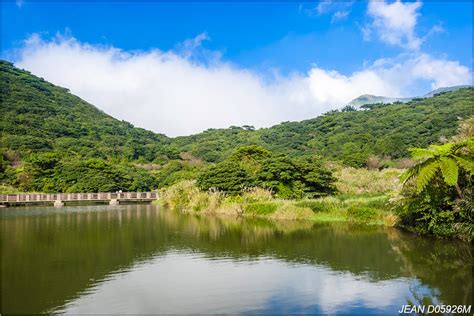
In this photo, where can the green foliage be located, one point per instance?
(46, 172)
(384, 130)
(64, 144)
(447, 158)
(175, 171)
(252, 166)
(314, 205)
(261, 208)
(437, 193)
(363, 214)
(227, 176)
(39, 116)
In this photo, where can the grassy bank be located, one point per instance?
(367, 207)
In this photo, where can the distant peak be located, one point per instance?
(372, 99)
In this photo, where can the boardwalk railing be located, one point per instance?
(77, 197)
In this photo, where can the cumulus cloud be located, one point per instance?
(395, 22)
(171, 92)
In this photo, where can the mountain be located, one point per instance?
(53, 141)
(384, 130)
(39, 116)
(373, 99)
(444, 90)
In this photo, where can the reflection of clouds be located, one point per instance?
(189, 283)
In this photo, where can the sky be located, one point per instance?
(183, 67)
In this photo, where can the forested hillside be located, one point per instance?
(39, 116)
(54, 141)
(350, 136)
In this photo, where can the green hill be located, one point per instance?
(39, 116)
(55, 141)
(385, 130)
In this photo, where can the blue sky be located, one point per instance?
(289, 36)
(267, 42)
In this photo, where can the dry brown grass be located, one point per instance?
(363, 181)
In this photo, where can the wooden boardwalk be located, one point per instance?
(59, 199)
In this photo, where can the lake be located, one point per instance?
(144, 259)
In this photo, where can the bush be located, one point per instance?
(363, 214)
(437, 210)
(315, 206)
(261, 208)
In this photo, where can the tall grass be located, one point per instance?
(371, 182)
(257, 202)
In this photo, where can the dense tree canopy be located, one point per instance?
(253, 166)
(384, 130)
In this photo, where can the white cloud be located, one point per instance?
(339, 15)
(323, 6)
(442, 72)
(172, 93)
(395, 22)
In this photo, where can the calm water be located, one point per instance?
(143, 259)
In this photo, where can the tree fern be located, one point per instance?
(449, 169)
(420, 153)
(448, 158)
(465, 164)
(426, 174)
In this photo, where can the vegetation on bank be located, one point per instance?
(257, 202)
(433, 198)
(365, 201)
(437, 195)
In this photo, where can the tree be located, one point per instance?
(252, 166)
(447, 159)
(436, 197)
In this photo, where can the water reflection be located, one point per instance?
(142, 259)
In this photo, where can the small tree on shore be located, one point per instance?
(448, 159)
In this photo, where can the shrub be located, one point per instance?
(363, 214)
(313, 205)
(180, 195)
(261, 208)
(288, 211)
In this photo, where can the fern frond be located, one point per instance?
(466, 164)
(413, 171)
(421, 153)
(442, 150)
(449, 169)
(404, 177)
(426, 174)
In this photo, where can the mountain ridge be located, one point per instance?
(374, 99)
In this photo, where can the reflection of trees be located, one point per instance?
(52, 258)
(422, 299)
(444, 265)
